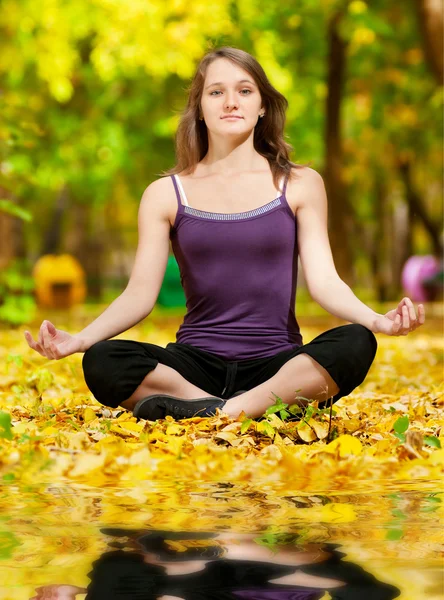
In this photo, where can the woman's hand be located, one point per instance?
(54, 343)
(58, 592)
(401, 320)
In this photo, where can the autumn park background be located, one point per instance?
(90, 98)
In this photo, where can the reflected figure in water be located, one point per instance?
(167, 565)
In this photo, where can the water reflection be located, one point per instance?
(175, 565)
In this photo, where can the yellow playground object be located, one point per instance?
(59, 281)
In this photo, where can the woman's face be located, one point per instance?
(230, 91)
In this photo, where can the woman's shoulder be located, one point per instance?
(303, 174)
(161, 183)
(164, 187)
(161, 196)
(302, 183)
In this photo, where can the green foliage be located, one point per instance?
(82, 110)
(301, 414)
(41, 380)
(432, 440)
(278, 407)
(17, 303)
(8, 207)
(5, 426)
(400, 426)
(245, 425)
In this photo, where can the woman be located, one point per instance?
(238, 213)
(221, 566)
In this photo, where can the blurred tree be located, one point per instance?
(431, 21)
(91, 93)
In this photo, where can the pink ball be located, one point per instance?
(415, 271)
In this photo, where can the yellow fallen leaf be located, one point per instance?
(111, 443)
(278, 439)
(85, 463)
(247, 441)
(120, 430)
(395, 405)
(326, 596)
(174, 429)
(265, 427)
(24, 427)
(226, 435)
(351, 424)
(140, 457)
(88, 415)
(237, 442)
(50, 431)
(131, 426)
(76, 440)
(275, 421)
(306, 433)
(235, 426)
(346, 444)
(437, 457)
(203, 442)
(321, 429)
(272, 452)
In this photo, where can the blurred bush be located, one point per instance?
(17, 303)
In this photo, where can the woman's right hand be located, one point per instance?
(54, 343)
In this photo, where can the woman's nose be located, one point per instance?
(230, 101)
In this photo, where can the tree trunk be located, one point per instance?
(340, 222)
(51, 240)
(399, 254)
(6, 235)
(19, 240)
(85, 241)
(417, 208)
(430, 16)
(379, 245)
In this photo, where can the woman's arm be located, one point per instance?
(139, 297)
(128, 309)
(323, 282)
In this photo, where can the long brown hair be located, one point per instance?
(191, 138)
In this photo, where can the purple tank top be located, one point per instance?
(239, 273)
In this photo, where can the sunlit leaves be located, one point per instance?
(52, 427)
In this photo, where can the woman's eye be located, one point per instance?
(218, 91)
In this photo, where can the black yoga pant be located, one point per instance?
(113, 369)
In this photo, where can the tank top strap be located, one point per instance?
(284, 187)
(180, 193)
(176, 189)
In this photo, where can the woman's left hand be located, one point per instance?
(58, 592)
(401, 320)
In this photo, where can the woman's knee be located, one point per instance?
(94, 359)
(363, 349)
(363, 340)
(99, 372)
(113, 369)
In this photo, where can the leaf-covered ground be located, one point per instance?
(387, 429)
(65, 461)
